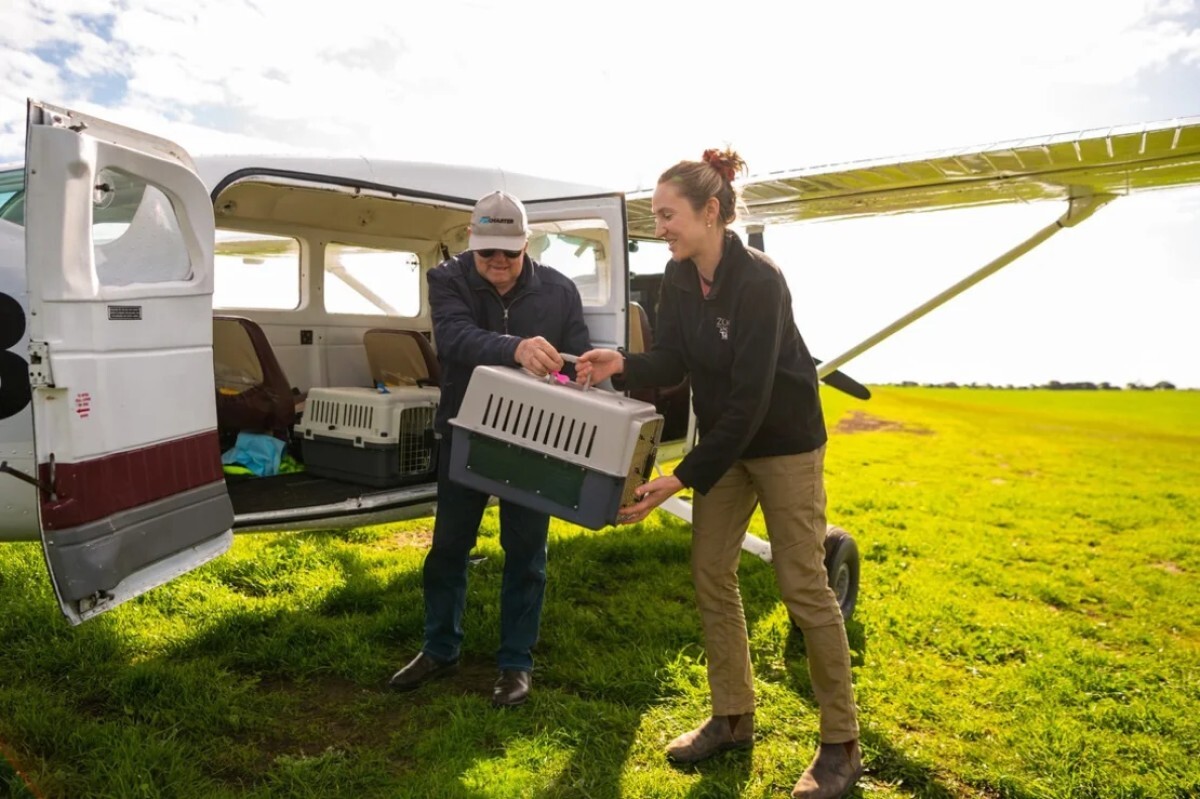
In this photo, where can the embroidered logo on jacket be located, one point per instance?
(723, 328)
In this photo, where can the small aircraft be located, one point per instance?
(153, 307)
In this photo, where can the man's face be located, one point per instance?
(501, 268)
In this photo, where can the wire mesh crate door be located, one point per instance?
(415, 437)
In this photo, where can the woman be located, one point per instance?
(725, 319)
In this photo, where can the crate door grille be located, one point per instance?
(416, 445)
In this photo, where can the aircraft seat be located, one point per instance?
(671, 401)
(639, 327)
(253, 393)
(640, 336)
(400, 358)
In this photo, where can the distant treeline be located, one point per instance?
(1053, 385)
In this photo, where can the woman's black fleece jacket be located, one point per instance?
(754, 383)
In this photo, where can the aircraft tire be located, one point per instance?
(841, 563)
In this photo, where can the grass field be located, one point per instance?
(1028, 626)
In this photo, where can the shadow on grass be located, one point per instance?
(721, 776)
(886, 763)
(620, 631)
(619, 611)
(53, 677)
(647, 638)
(275, 697)
(889, 764)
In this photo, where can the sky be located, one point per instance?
(614, 93)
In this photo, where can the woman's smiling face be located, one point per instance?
(676, 222)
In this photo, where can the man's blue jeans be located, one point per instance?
(455, 529)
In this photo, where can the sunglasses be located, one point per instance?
(488, 253)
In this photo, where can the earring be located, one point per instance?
(710, 224)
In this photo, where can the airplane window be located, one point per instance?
(650, 258)
(579, 249)
(371, 280)
(135, 233)
(256, 270)
(114, 203)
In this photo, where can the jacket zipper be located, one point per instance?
(505, 308)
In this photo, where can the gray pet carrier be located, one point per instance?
(573, 453)
(360, 435)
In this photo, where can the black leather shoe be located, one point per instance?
(512, 688)
(419, 671)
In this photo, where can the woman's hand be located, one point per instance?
(649, 497)
(598, 366)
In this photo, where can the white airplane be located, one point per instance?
(152, 307)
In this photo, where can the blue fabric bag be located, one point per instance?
(257, 452)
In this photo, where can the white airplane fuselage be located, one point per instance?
(18, 499)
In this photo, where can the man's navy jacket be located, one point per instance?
(474, 326)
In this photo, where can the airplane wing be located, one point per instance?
(1114, 161)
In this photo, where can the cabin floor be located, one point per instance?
(285, 491)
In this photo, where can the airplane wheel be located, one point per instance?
(841, 563)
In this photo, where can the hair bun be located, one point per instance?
(726, 163)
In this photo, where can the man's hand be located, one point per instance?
(598, 365)
(649, 497)
(539, 356)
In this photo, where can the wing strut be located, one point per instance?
(1078, 209)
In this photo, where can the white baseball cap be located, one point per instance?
(499, 222)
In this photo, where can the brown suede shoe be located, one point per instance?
(831, 774)
(718, 734)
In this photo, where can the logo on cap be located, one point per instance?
(498, 222)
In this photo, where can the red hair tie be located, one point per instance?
(713, 158)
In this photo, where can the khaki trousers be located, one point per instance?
(791, 490)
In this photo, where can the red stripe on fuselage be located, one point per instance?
(96, 489)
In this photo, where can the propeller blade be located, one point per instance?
(844, 382)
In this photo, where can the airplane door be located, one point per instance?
(584, 238)
(119, 259)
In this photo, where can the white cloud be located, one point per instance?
(662, 80)
(1171, 8)
(19, 69)
(95, 56)
(613, 94)
(29, 24)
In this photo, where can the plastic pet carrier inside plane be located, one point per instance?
(571, 452)
(360, 435)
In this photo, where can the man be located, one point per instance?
(491, 305)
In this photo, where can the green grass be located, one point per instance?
(12, 784)
(1028, 627)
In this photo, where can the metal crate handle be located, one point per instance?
(575, 359)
